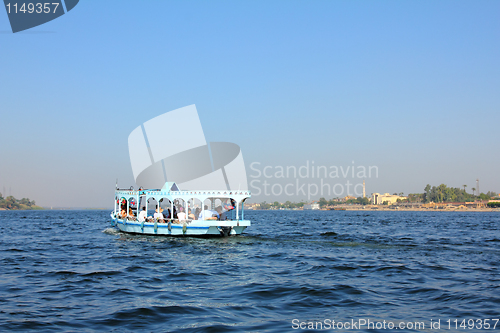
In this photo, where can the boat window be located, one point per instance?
(132, 204)
(152, 203)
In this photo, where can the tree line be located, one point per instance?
(443, 193)
(12, 203)
(333, 202)
(277, 205)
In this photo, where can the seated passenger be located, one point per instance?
(222, 215)
(215, 214)
(158, 215)
(181, 215)
(191, 215)
(197, 212)
(167, 215)
(207, 214)
(143, 215)
(123, 213)
(131, 214)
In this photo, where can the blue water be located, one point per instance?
(70, 271)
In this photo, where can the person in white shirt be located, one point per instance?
(181, 215)
(158, 215)
(207, 214)
(143, 215)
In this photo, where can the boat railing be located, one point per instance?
(174, 221)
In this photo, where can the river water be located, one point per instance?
(70, 271)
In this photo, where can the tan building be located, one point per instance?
(379, 199)
(252, 206)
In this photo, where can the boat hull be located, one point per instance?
(190, 228)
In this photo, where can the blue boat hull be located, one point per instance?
(187, 228)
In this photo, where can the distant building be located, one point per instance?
(379, 199)
(311, 206)
(252, 206)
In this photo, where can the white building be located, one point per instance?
(312, 206)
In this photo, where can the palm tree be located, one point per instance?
(464, 188)
(473, 190)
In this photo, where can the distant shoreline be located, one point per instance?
(33, 208)
(385, 210)
(357, 209)
(58, 208)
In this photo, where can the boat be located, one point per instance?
(338, 208)
(225, 214)
(160, 207)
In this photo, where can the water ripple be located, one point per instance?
(70, 271)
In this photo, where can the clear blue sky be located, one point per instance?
(412, 87)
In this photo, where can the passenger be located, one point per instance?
(222, 215)
(181, 215)
(158, 215)
(143, 215)
(123, 213)
(215, 214)
(167, 215)
(207, 214)
(197, 212)
(191, 215)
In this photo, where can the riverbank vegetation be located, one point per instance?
(11, 203)
(443, 193)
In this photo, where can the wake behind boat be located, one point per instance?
(172, 212)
